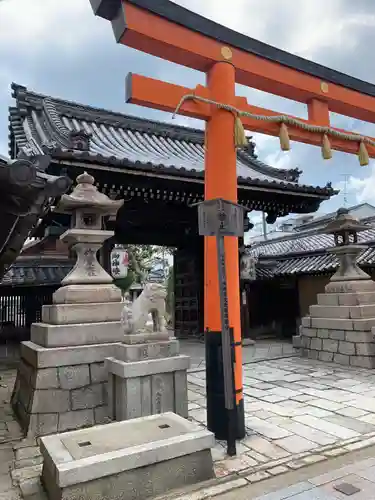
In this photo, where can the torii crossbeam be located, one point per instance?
(173, 33)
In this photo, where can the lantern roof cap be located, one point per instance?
(86, 195)
(345, 222)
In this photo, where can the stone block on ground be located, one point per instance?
(137, 459)
(297, 344)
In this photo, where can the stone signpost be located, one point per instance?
(61, 379)
(341, 327)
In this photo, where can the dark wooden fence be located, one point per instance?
(19, 308)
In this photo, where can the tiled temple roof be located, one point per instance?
(36, 273)
(65, 130)
(313, 264)
(305, 254)
(300, 243)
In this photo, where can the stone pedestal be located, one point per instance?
(61, 379)
(60, 389)
(136, 460)
(341, 327)
(147, 376)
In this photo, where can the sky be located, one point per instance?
(58, 47)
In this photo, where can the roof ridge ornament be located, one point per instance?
(80, 140)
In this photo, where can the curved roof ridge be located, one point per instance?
(25, 96)
(301, 243)
(57, 107)
(55, 122)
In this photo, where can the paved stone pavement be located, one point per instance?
(262, 350)
(298, 412)
(352, 479)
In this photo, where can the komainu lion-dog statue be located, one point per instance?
(135, 315)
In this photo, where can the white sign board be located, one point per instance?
(248, 267)
(119, 263)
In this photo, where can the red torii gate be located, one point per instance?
(173, 33)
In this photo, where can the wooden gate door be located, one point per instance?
(188, 291)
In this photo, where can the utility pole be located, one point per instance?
(345, 192)
(264, 223)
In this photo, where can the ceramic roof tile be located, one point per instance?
(306, 253)
(301, 243)
(38, 121)
(36, 274)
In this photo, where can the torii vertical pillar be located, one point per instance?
(221, 182)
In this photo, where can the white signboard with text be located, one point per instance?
(119, 263)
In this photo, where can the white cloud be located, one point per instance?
(43, 33)
(28, 25)
(364, 189)
(279, 159)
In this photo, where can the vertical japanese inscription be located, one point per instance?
(90, 261)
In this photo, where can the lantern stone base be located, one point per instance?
(341, 327)
(61, 389)
(147, 378)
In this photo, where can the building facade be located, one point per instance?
(158, 169)
(290, 269)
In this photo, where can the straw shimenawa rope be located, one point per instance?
(284, 120)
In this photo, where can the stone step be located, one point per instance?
(343, 312)
(64, 314)
(346, 299)
(32, 489)
(47, 335)
(359, 337)
(357, 325)
(20, 475)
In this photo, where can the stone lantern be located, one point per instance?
(66, 383)
(87, 207)
(345, 229)
(340, 328)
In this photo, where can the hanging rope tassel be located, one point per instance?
(284, 138)
(240, 139)
(326, 148)
(363, 154)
